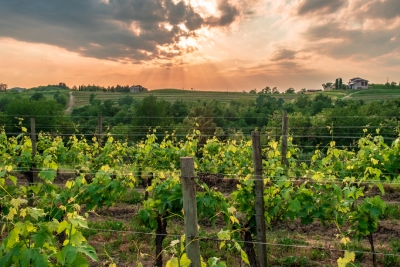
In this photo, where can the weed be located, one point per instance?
(392, 260)
(288, 243)
(293, 261)
(318, 254)
(133, 197)
(391, 212)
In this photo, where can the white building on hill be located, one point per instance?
(358, 83)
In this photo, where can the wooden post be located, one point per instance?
(34, 173)
(284, 138)
(190, 211)
(259, 201)
(99, 128)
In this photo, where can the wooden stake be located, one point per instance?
(99, 128)
(34, 176)
(259, 202)
(284, 138)
(190, 211)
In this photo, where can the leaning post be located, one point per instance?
(259, 201)
(190, 211)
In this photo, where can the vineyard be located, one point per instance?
(79, 200)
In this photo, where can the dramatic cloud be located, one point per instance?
(338, 41)
(121, 30)
(228, 14)
(388, 9)
(320, 6)
(283, 54)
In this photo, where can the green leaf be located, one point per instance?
(13, 238)
(375, 212)
(88, 251)
(41, 237)
(214, 262)
(48, 175)
(6, 260)
(244, 257)
(35, 213)
(172, 262)
(69, 254)
(62, 226)
(294, 205)
(13, 179)
(76, 239)
(25, 257)
(185, 262)
(39, 260)
(379, 185)
(80, 261)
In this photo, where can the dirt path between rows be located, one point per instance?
(71, 103)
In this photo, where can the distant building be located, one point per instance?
(137, 89)
(17, 89)
(3, 87)
(358, 83)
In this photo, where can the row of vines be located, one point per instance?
(42, 222)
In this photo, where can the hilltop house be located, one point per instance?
(358, 83)
(137, 89)
(17, 89)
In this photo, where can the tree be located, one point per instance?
(126, 100)
(37, 96)
(3, 87)
(393, 84)
(290, 91)
(179, 110)
(327, 85)
(266, 90)
(338, 83)
(48, 114)
(151, 112)
(91, 98)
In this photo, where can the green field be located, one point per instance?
(82, 98)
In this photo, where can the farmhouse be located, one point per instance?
(358, 83)
(17, 89)
(137, 89)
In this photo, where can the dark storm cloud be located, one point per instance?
(320, 6)
(337, 41)
(388, 9)
(228, 14)
(283, 54)
(129, 30)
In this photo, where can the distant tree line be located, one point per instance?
(313, 119)
(117, 88)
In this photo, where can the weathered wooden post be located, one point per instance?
(190, 211)
(284, 138)
(99, 128)
(34, 178)
(259, 201)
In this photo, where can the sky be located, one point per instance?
(219, 45)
